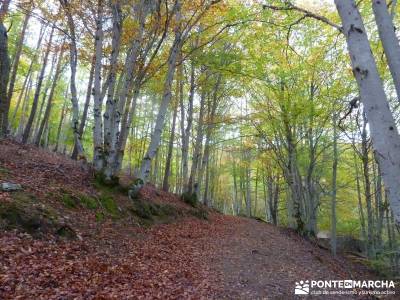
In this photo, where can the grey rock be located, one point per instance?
(10, 187)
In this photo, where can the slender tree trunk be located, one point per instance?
(171, 144)
(156, 137)
(21, 95)
(73, 65)
(24, 109)
(110, 128)
(360, 206)
(32, 114)
(28, 75)
(46, 116)
(98, 157)
(367, 186)
(17, 57)
(334, 186)
(38, 116)
(379, 208)
(209, 131)
(384, 134)
(85, 107)
(389, 40)
(192, 184)
(59, 128)
(4, 72)
(187, 131)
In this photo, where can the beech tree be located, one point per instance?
(4, 70)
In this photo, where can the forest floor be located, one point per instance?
(65, 237)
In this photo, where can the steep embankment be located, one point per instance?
(65, 237)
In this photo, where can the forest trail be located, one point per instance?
(117, 257)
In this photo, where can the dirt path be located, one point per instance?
(225, 258)
(257, 260)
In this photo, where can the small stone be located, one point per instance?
(10, 187)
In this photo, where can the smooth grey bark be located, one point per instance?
(4, 71)
(73, 52)
(49, 104)
(207, 145)
(32, 114)
(379, 206)
(384, 133)
(156, 136)
(126, 124)
(247, 157)
(389, 40)
(192, 184)
(110, 128)
(98, 158)
(359, 198)
(187, 131)
(334, 186)
(122, 109)
(393, 12)
(82, 123)
(60, 124)
(168, 162)
(18, 52)
(365, 145)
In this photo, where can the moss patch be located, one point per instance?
(190, 199)
(108, 203)
(80, 200)
(101, 180)
(69, 201)
(88, 202)
(25, 213)
(200, 213)
(4, 172)
(152, 213)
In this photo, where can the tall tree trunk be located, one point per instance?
(60, 124)
(209, 131)
(359, 198)
(192, 183)
(156, 137)
(24, 90)
(129, 93)
(46, 116)
(98, 157)
(367, 187)
(187, 131)
(4, 71)
(17, 57)
(24, 110)
(334, 186)
(32, 114)
(379, 207)
(110, 128)
(389, 40)
(73, 52)
(29, 73)
(38, 116)
(384, 134)
(168, 162)
(85, 107)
